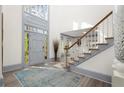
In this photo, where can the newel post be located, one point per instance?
(66, 57)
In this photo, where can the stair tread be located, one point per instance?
(76, 59)
(109, 38)
(81, 57)
(93, 48)
(102, 43)
(71, 62)
(86, 53)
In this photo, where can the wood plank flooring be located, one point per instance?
(11, 81)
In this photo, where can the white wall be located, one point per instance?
(12, 35)
(101, 63)
(61, 18)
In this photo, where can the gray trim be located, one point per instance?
(21, 66)
(52, 60)
(75, 33)
(48, 55)
(35, 21)
(2, 33)
(23, 32)
(44, 61)
(68, 35)
(33, 64)
(12, 67)
(91, 74)
(23, 38)
(1, 82)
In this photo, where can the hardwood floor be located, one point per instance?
(11, 81)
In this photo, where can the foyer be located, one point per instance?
(85, 50)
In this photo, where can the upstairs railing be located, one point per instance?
(89, 40)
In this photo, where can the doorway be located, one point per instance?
(35, 33)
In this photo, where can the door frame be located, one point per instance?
(23, 38)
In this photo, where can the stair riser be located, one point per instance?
(109, 41)
(93, 51)
(103, 47)
(89, 56)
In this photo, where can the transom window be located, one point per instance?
(34, 29)
(40, 11)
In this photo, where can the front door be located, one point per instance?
(36, 55)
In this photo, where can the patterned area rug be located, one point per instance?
(47, 77)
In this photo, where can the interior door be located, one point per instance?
(35, 48)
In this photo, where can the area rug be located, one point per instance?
(47, 77)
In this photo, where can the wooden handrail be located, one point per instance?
(67, 48)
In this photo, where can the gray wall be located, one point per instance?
(0, 46)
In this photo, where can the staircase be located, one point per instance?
(97, 39)
(94, 51)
